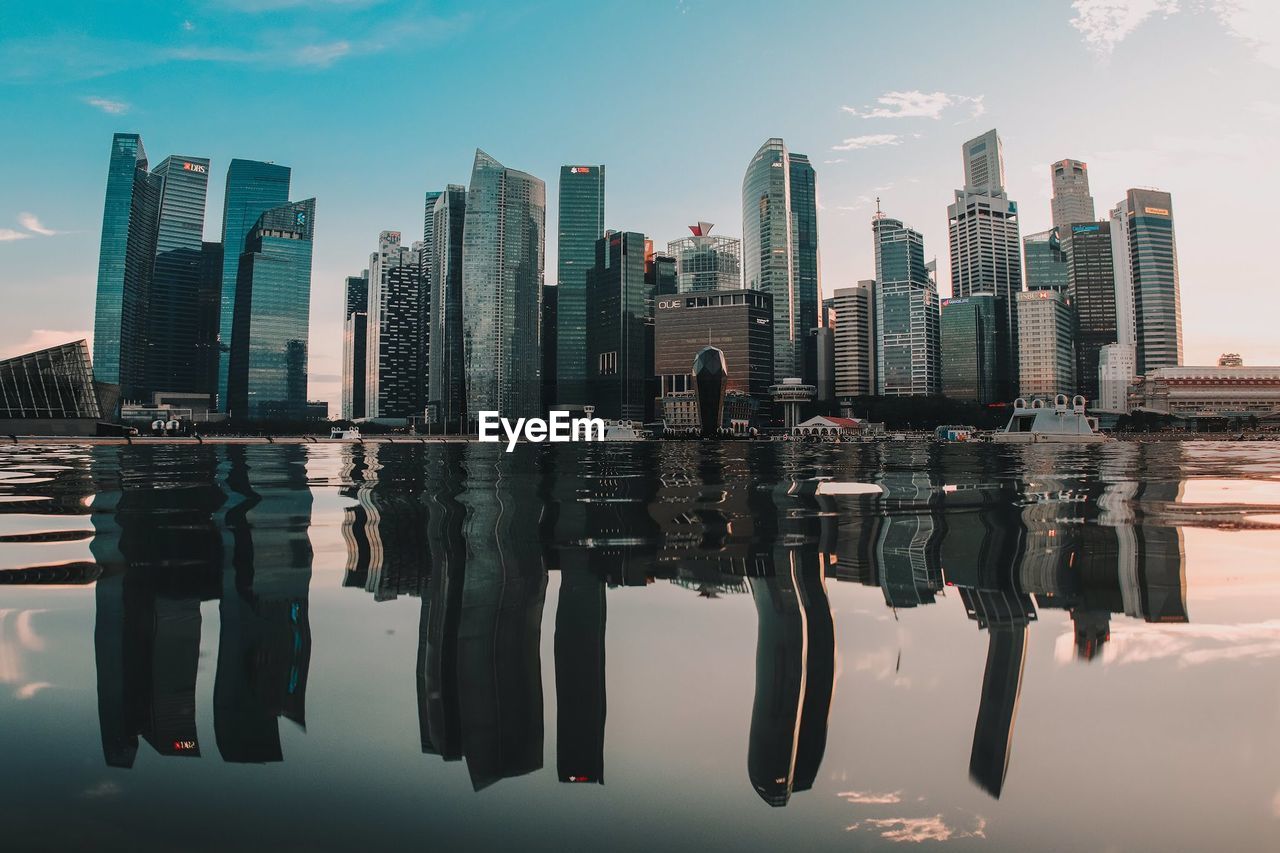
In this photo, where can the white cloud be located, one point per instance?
(188, 26)
(870, 797)
(322, 55)
(917, 104)
(1185, 645)
(870, 140)
(32, 223)
(8, 234)
(919, 829)
(28, 691)
(1104, 24)
(108, 106)
(1255, 22)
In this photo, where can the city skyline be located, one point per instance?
(891, 133)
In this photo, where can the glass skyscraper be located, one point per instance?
(619, 305)
(971, 337)
(446, 391)
(804, 266)
(706, 262)
(1045, 261)
(1093, 297)
(173, 317)
(393, 368)
(581, 225)
(906, 313)
(503, 256)
(355, 316)
(124, 266)
(253, 188)
(270, 330)
(1153, 265)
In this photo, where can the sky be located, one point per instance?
(373, 102)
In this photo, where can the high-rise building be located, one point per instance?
(550, 305)
(906, 313)
(208, 316)
(269, 333)
(394, 335)
(780, 249)
(1092, 289)
(172, 360)
(1045, 261)
(1046, 356)
(1153, 270)
(972, 337)
(581, 225)
(1117, 369)
(124, 266)
(855, 340)
(446, 393)
(986, 255)
(1071, 201)
(1126, 325)
(737, 322)
(355, 317)
(619, 301)
(252, 189)
(705, 262)
(503, 256)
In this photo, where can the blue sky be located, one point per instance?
(374, 101)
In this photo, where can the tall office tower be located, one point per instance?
(804, 213)
(1092, 290)
(619, 301)
(780, 250)
(252, 189)
(124, 266)
(1045, 261)
(445, 382)
(269, 333)
(503, 255)
(1117, 369)
(426, 251)
(705, 262)
(550, 302)
(581, 225)
(1071, 201)
(355, 316)
(825, 347)
(1153, 270)
(986, 254)
(906, 313)
(855, 340)
(972, 336)
(393, 336)
(172, 362)
(1046, 355)
(1126, 327)
(208, 316)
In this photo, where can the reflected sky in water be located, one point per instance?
(733, 646)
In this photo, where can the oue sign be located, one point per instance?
(670, 303)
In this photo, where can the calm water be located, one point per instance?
(662, 646)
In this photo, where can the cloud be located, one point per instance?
(28, 691)
(188, 26)
(870, 140)
(916, 830)
(1104, 24)
(108, 106)
(870, 798)
(1185, 645)
(102, 789)
(38, 339)
(8, 234)
(1256, 23)
(917, 104)
(30, 222)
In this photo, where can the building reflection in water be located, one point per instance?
(472, 532)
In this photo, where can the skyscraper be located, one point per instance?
(906, 313)
(780, 249)
(972, 335)
(581, 225)
(1153, 270)
(503, 256)
(705, 262)
(1071, 201)
(619, 299)
(446, 385)
(1046, 355)
(269, 334)
(394, 334)
(252, 189)
(124, 266)
(855, 340)
(986, 254)
(1046, 261)
(1092, 290)
(355, 317)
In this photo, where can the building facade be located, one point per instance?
(804, 212)
(503, 256)
(1117, 370)
(706, 262)
(50, 391)
(854, 361)
(446, 380)
(355, 317)
(1045, 261)
(1092, 289)
(1071, 202)
(1153, 270)
(252, 189)
(581, 224)
(1223, 392)
(270, 331)
(972, 337)
(619, 355)
(906, 313)
(1046, 354)
(394, 336)
(737, 322)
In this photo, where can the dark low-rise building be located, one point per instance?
(52, 392)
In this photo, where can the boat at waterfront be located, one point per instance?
(624, 431)
(1063, 422)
